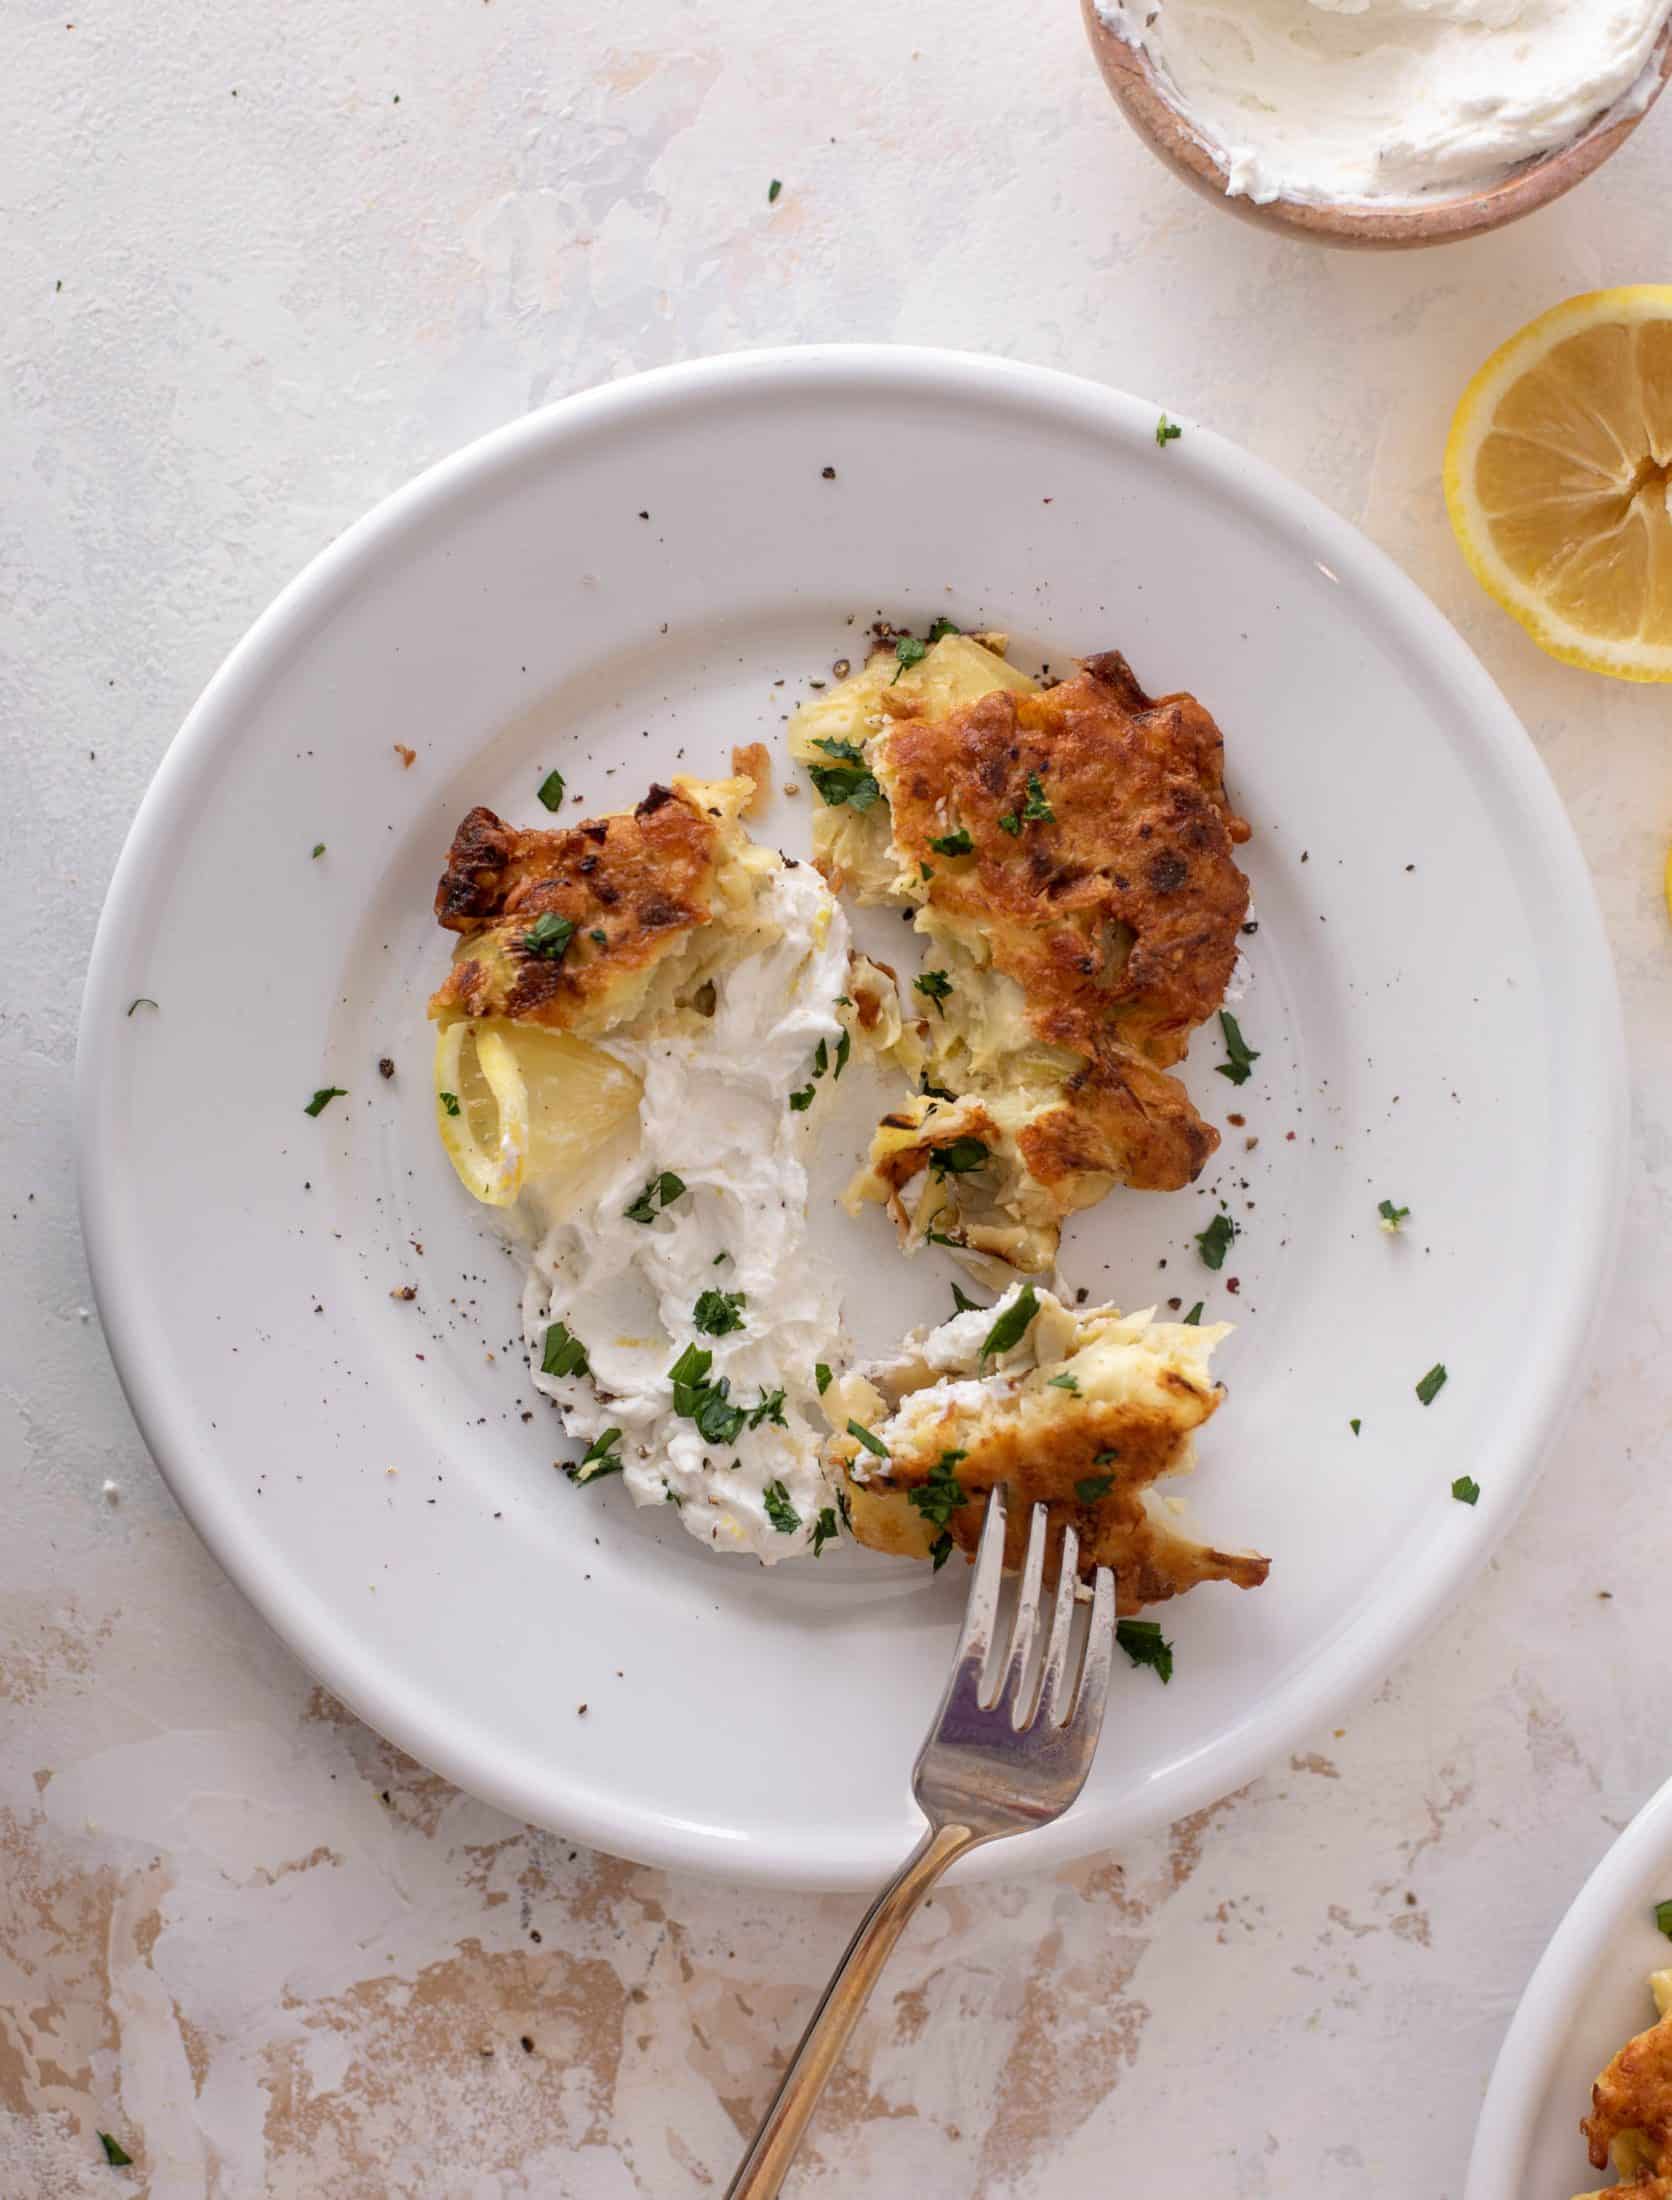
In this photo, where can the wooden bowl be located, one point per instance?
(1165, 129)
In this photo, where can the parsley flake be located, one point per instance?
(1142, 1641)
(322, 1099)
(115, 2153)
(1167, 431)
(550, 791)
(941, 1550)
(844, 1047)
(801, 1101)
(1036, 810)
(1663, 1919)
(1193, 1319)
(1011, 1326)
(909, 651)
(599, 1458)
(1215, 1241)
(936, 986)
(959, 1157)
(821, 1376)
(1466, 1490)
(718, 1313)
(773, 189)
(941, 629)
(1093, 1487)
(450, 1101)
(1355, 1426)
(824, 1530)
(318, 851)
(964, 1304)
(548, 937)
(1010, 823)
(872, 1443)
(768, 1407)
(940, 1496)
(956, 843)
(1064, 1382)
(660, 1192)
(1243, 1057)
(1392, 1216)
(1432, 1383)
(845, 783)
(564, 1354)
(779, 1510)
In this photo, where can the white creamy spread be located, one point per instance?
(715, 1113)
(1344, 100)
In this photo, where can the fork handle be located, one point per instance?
(814, 2062)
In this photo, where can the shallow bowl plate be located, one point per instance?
(624, 586)
(1588, 1996)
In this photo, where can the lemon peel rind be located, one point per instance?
(1470, 425)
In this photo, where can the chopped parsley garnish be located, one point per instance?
(599, 1458)
(718, 1313)
(1011, 1326)
(821, 1059)
(1064, 1382)
(964, 1304)
(548, 936)
(1167, 431)
(1215, 1241)
(1010, 823)
(1194, 1317)
(1391, 1215)
(1104, 1458)
(768, 1407)
(564, 1354)
(450, 1101)
(115, 2153)
(821, 1376)
(1036, 810)
(1243, 1057)
(959, 1157)
(1142, 1641)
(801, 1101)
(858, 1430)
(934, 985)
(925, 872)
(941, 1550)
(599, 939)
(938, 1498)
(322, 1099)
(825, 1530)
(318, 850)
(779, 1510)
(716, 1417)
(550, 791)
(941, 629)
(941, 1237)
(910, 651)
(773, 189)
(1355, 1426)
(1094, 1487)
(848, 782)
(844, 1047)
(687, 1372)
(1466, 1490)
(660, 1192)
(1432, 1383)
(845, 752)
(956, 843)
(1663, 1924)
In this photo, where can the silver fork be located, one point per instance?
(988, 1769)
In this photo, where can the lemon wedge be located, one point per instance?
(1559, 480)
(518, 1105)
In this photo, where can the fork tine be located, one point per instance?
(982, 1610)
(1085, 1719)
(1027, 1621)
(1053, 1688)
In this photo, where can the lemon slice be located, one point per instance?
(1559, 480)
(517, 1105)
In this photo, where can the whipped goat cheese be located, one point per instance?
(715, 1277)
(1347, 100)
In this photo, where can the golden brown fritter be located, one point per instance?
(1101, 874)
(1631, 2113)
(632, 887)
(1089, 1453)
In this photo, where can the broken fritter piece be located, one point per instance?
(1067, 853)
(1629, 2128)
(1081, 1410)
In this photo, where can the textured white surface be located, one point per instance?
(301, 253)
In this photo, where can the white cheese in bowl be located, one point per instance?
(1332, 101)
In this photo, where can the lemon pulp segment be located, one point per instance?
(529, 1105)
(1559, 480)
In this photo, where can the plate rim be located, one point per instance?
(1532, 2046)
(1368, 1645)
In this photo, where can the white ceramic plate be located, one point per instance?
(1429, 991)
(1588, 1996)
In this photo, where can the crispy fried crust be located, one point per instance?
(1121, 1117)
(1118, 917)
(643, 880)
(1634, 2094)
(1150, 1560)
